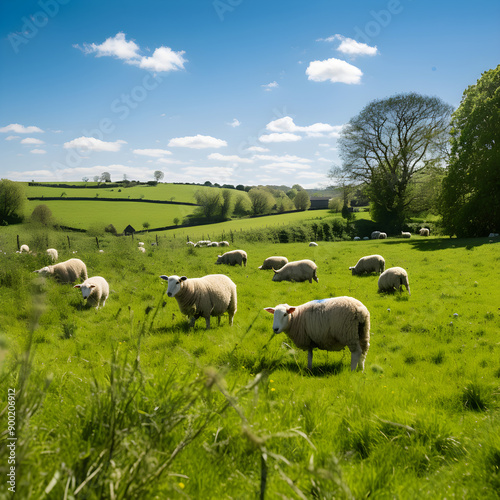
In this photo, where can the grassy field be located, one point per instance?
(126, 402)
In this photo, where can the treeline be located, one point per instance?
(98, 185)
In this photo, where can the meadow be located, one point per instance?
(127, 402)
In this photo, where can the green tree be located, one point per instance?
(225, 210)
(302, 200)
(261, 200)
(388, 143)
(241, 206)
(106, 177)
(209, 201)
(12, 198)
(42, 215)
(146, 225)
(470, 199)
(158, 175)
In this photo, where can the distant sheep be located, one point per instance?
(328, 324)
(493, 235)
(213, 244)
(298, 270)
(375, 235)
(393, 279)
(356, 238)
(405, 234)
(382, 236)
(424, 231)
(233, 257)
(141, 249)
(141, 243)
(369, 264)
(52, 253)
(313, 244)
(211, 295)
(24, 249)
(94, 289)
(275, 262)
(223, 243)
(190, 243)
(66, 272)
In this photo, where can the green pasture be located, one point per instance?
(127, 402)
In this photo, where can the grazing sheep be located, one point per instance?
(211, 295)
(382, 236)
(214, 244)
(375, 235)
(493, 235)
(405, 234)
(393, 279)
(141, 249)
(275, 262)
(66, 272)
(52, 253)
(141, 243)
(24, 249)
(190, 243)
(224, 243)
(313, 244)
(298, 270)
(94, 289)
(328, 324)
(356, 238)
(369, 264)
(233, 257)
(366, 238)
(424, 231)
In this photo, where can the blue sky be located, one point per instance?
(232, 91)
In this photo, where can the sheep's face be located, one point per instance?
(174, 284)
(282, 314)
(44, 271)
(86, 289)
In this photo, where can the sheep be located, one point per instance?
(224, 243)
(24, 249)
(94, 289)
(382, 236)
(299, 270)
(375, 235)
(369, 264)
(365, 238)
(52, 253)
(190, 243)
(275, 262)
(313, 244)
(328, 324)
(214, 244)
(405, 234)
(233, 257)
(141, 243)
(356, 238)
(393, 279)
(493, 235)
(66, 272)
(211, 295)
(424, 231)
(141, 249)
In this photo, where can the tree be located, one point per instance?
(146, 225)
(85, 179)
(470, 199)
(241, 206)
(106, 177)
(225, 210)
(302, 200)
(12, 198)
(388, 143)
(209, 201)
(42, 215)
(176, 221)
(261, 200)
(96, 178)
(291, 193)
(158, 175)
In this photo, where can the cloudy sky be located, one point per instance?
(232, 91)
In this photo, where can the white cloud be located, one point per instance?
(257, 149)
(270, 86)
(38, 151)
(286, 124)
(279, 138)
(153, 153)
(235, 123)
(12, 137)
(170, 161)
(285, 167)
(197, 142)
(163, 58)
(282, 158)
(333, 70)
(93, 144)
(32, 140)
(221, 175)
(233, 158)
(351, 47)
(21, 129)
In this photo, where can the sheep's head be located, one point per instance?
(282, 314)
(45, 270)
(86, 289)
(174, 284)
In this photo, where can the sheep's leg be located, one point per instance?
(191, 322)
(207, 321)
(218, 320)
(310, 358)
(356, 359)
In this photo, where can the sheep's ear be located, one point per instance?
(92, 286)
(290, 310)
(163, 277)
(269, 309)
(77, 286)
(183, 278)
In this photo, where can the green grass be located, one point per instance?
(421, 422)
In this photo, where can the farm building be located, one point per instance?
(320, 202)
(129, 230)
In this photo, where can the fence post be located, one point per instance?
(97, 242)
(157, 239)
(69, 242)
(18, 246)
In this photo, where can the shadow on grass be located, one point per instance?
(434, 244)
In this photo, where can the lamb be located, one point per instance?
(52, 253)
(66, 272)
(141, 243)
(393, 279)
(424, 231)
(233, 257)
(405, 234)
(375, 235)
(382, 236)
(369, 264)
(94, 289)
(299, 270)
(313, 244)
(211, 295)
(328, 324)
(275, 262)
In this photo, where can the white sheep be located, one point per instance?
(94, 289)
(52, 253)
(274, 262)
(214, 244)
(313, 244)
(66, 272)
(356, 238)
(224, 243)
(141, 243)
(393, 279)
(382, 236)
(328, 324)
(141, 249)
(423, 231)
(24, 249)
(493, 235)
(298, 270)
(369, 264)
(211, 295)
(233, 257)
(405, 234)
(190, 243)
(375, 235)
